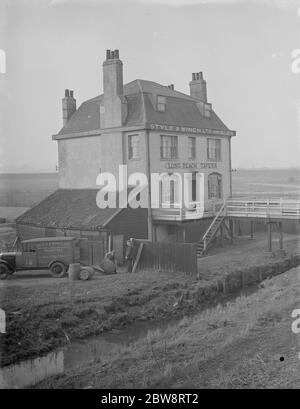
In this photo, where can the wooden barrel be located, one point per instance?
(73, 271)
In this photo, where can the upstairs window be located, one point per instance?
(214, 149)
(168, 147)
(161, 103)
(133, 146)
(192, 147)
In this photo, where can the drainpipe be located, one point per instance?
(230, 168)
(149, 219)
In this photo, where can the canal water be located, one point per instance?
(30, 372)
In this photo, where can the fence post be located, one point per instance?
(181, 212)
(280, 236)
(269, 237)
(251, 229)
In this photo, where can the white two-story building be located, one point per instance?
(151, 128)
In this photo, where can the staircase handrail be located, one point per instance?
(212, 223)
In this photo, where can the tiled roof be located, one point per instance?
(69, 208)
(181, 110)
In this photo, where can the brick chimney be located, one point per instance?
(68, 106)
(113, 108)
(198, 87)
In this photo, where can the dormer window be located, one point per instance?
(161, 103)
(207, 110)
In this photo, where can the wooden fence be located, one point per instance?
(91, 252)
(168, 256)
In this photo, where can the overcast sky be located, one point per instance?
(243, 47)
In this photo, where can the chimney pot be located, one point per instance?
(198, 87)
(116, 54)
(107, 54)
(68, 106)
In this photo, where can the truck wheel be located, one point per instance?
(58, 269)
(86, 273)
(4, 271)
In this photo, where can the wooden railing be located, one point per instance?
(195, 210)
(177, 212)
(234, 207)
(263, 208)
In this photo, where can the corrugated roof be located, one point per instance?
(69, 208)
(181, 109)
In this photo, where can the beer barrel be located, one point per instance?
(73, 271)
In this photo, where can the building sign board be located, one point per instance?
(191, 165)
(189, 130)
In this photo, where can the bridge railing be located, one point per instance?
(268, 208)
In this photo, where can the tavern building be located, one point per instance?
(150, 128)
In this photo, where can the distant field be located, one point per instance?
(10, 213)
(25, 190)
(275, 182)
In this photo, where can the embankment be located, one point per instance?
(43, 317)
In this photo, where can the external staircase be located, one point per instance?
(211, 232)
(271, 210)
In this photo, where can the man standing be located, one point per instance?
(129, 256)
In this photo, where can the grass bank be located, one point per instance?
(45, 313)
(246, 344)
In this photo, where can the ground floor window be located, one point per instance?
(215, 186)
(170, 193)
(171, 189)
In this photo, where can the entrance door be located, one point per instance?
(194, 187)
(118, 246)
(215, 186)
